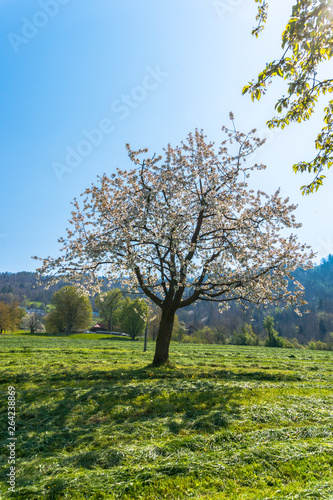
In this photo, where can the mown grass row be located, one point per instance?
(95, 421)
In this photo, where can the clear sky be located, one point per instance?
(81, 78)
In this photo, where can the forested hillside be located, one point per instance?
(23, 286)
(316, 324)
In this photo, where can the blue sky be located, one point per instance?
(144, 72)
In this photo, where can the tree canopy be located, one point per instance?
(108, 305)
(72, 311)
(306, 42)
(183, 228)
(132, 316)
(10, 316)
(33, 322)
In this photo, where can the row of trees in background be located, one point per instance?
(72, 311)
(314, 326)
(199, 323)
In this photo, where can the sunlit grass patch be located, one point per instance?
(95, 420)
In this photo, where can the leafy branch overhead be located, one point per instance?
(307, 41)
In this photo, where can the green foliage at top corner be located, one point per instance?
(307, 42)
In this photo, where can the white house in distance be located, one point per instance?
(34, 310)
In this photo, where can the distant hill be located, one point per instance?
(23, 286)
(315, 325)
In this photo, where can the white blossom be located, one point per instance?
(185, 227)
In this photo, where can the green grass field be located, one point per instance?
(94, 421)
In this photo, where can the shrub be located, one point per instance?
(329, 341)
(317, 346)
(245, 337)
(207, 335)
(72, 311)
(296, 343)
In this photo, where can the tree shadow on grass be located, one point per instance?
(112, 401)
(149, 372)
(179, 400)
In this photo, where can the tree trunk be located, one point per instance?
(146, 336)
(164, 337)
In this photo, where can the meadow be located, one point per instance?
(95, 421)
